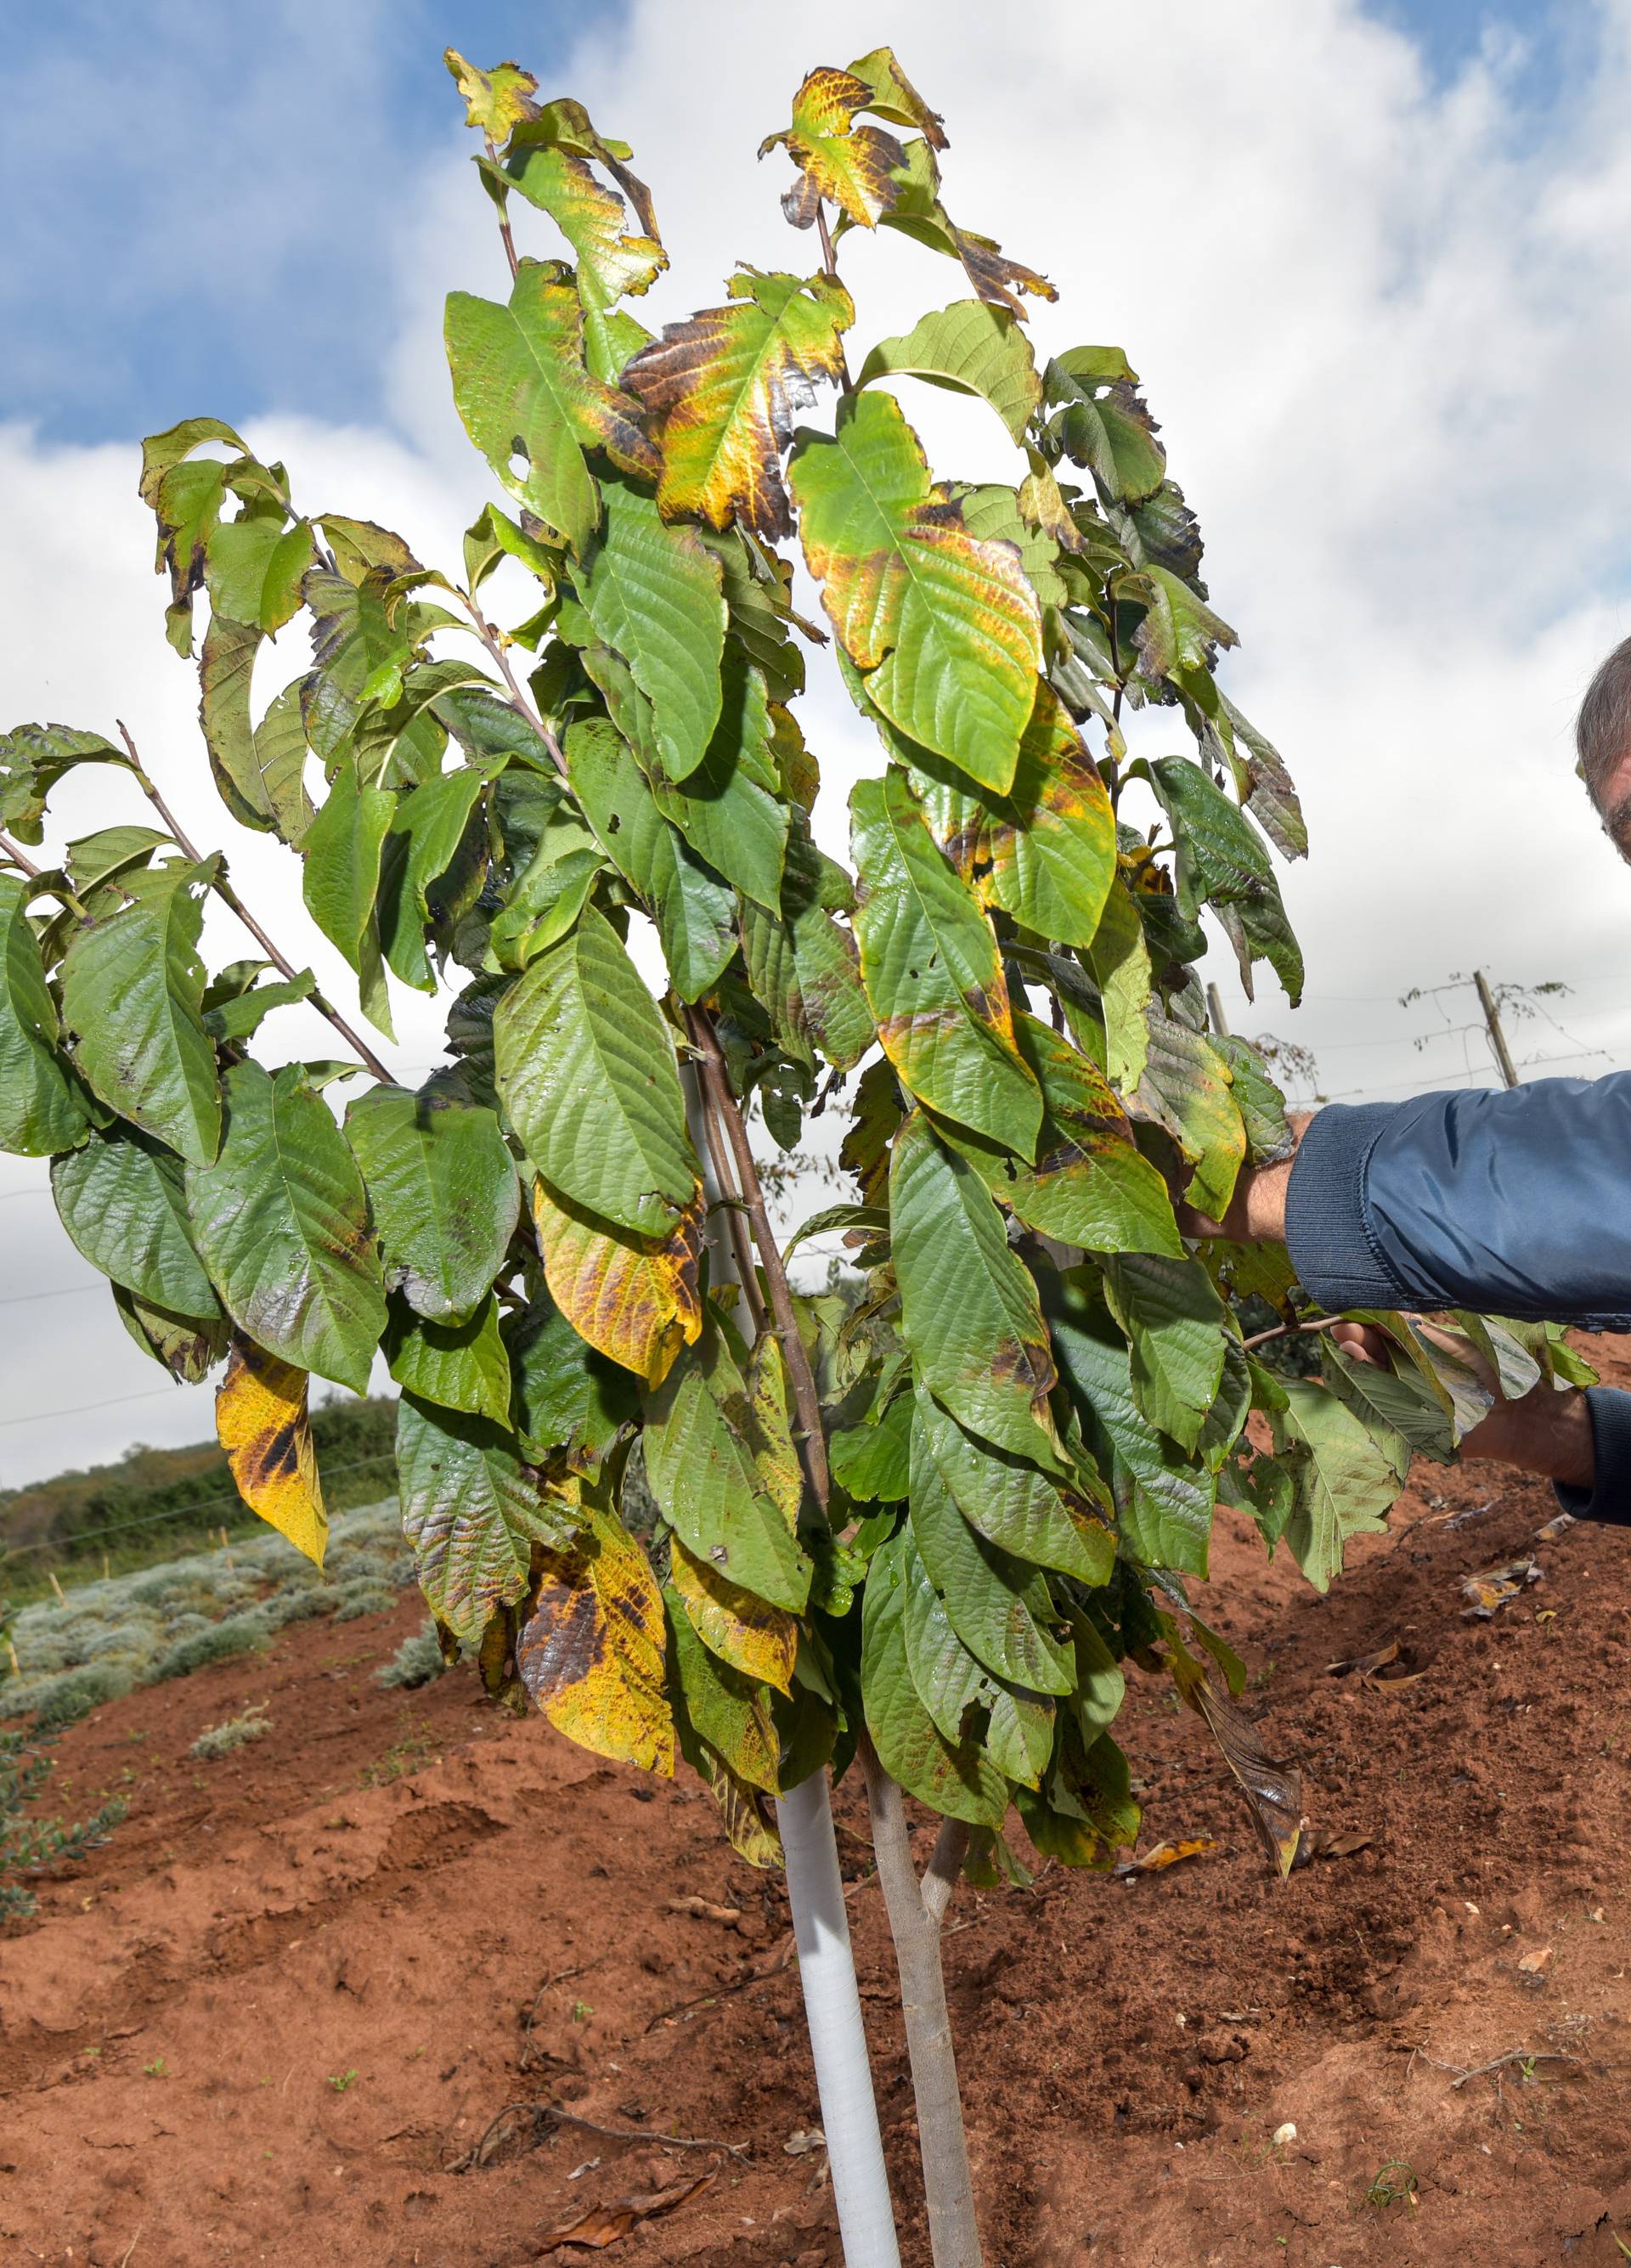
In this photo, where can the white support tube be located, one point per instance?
(849, 2111)
(821, 1926)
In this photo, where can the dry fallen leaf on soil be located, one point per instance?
(1535, 1964)
(608, 2224)
(804, 2138)
(1365, 1663)
(1490, 1590)
(1162, 1855)
(1329, 1843)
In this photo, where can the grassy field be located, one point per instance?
(114, 1633)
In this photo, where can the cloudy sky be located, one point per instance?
(1371, 261)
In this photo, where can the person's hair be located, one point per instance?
(1603, 728)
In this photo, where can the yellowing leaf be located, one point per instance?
(852, 166)
(892, 95)
(495, 100)
(632, 1297)
(724, 384)
(262, 1422)
(592, 1652)
(759, 1639)
(590, 216)
(945, 625)
(1045, 852)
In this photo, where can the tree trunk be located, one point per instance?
(916, 1911)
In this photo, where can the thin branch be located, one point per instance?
(229, 896)
(519, 702)
(800, 1376)
(1291, 1330)
(19, 858)
(829, 265)
(503, 222)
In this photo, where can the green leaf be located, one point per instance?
(1105, 426)
(242, 1016)
(256, 568)
(722, 387)
(470, 1513)
(1013, 1505)
(1013, 1727)
(956, 1781)
(1261, 1105)
(586, 1069)
(945, 626)
(431, 826)
(343, 849)
(1186, 1089)
(654, 596)
(1222, 863)
(1119, 958)
(802, 966)
(916, 210)
(279, 754)
(1179, 631)
(703, 1442)
(1046, 852)
(1090, 1186)
(40, 1112)
(458, 1365)
(730, 809)
(870, 1462)
(999, 1607)
(443, 1192)
(225, 675)
(1344, 1481)
(968, 1309)
(566, 1396)
(1165, 1503)
(1398, 1409)
(122, 1200)
(1175, 1321)
(132, 994)
(522, 386)
(281, 1219)
(932, 973)
(109, 852)
(32, 759)
(969, 348)
(1084, 1813)
(693, 911)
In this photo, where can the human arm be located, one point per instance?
(1510, 1204)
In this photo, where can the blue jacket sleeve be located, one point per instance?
(1511, 1203)
(1609, 1497)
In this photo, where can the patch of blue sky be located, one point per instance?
(1554, 36)
(201, 199)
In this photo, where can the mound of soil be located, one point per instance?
(407, 1982)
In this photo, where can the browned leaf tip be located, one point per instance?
(608, 2224)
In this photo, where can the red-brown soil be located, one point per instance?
(274, 2018)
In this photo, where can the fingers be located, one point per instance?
(1363, 1343)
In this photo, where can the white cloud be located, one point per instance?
(1385, 325)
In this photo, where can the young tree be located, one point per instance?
(927, 1525)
